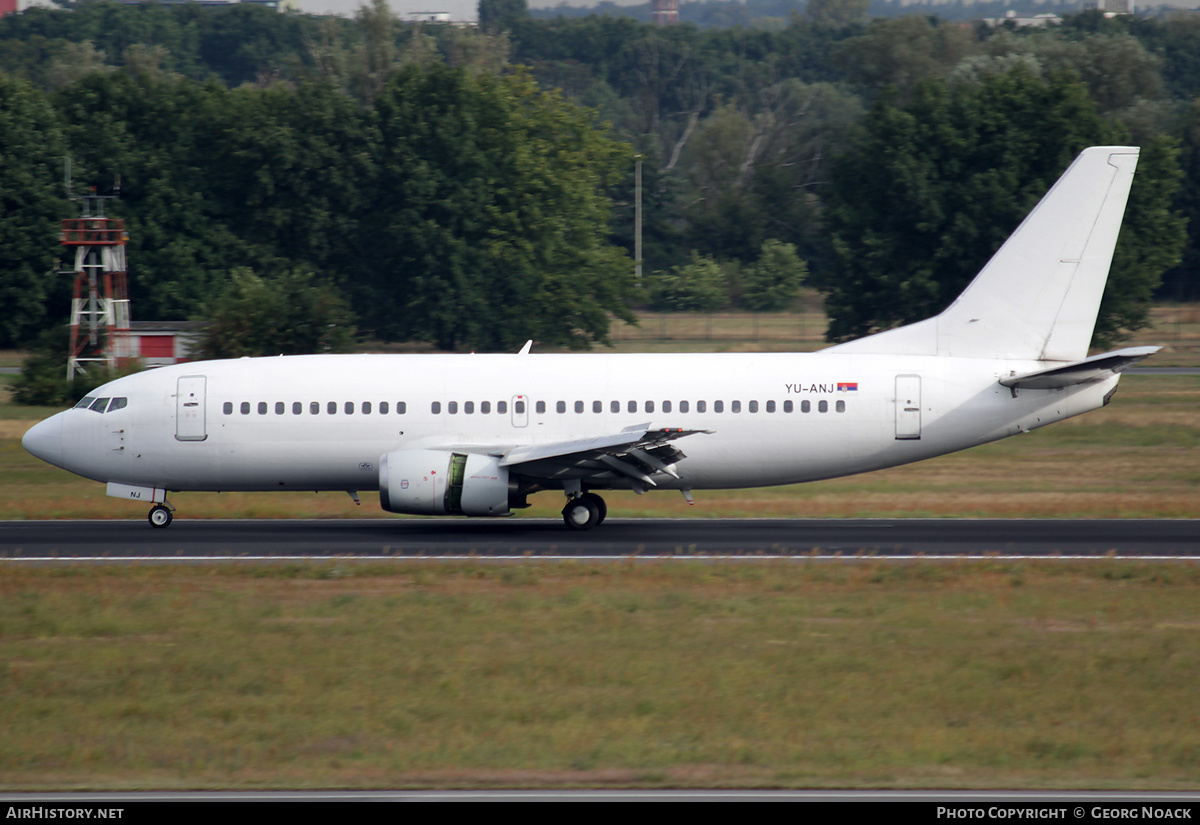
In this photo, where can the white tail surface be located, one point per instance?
(1038, 297)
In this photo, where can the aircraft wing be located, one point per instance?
(635, 453)
(1096, 368)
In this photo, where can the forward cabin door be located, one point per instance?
(189, 408)
(908, 407)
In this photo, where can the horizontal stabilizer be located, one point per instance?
(1096, 368)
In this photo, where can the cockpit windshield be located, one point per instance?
(101, 405)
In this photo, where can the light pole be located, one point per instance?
(637, 218)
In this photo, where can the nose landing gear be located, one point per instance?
(161, 515)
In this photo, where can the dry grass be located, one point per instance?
(797, 674)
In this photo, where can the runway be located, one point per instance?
(651, 538)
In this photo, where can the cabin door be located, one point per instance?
(520, 410)
(908, 407)
(189, 408)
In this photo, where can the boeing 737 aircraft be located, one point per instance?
(475, 435)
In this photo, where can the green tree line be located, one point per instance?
(475, 188)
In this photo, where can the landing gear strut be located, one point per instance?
(161, 515)
(583, 512)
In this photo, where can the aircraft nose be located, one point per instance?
(45, 440)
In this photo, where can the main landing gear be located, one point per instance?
(584, 511)
(161, 515)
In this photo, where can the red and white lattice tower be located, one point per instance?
(100, 303)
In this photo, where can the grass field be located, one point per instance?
(661, 674)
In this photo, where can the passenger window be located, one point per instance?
(735, 406)
(401, 408)
(314, 408)
(787, 406)
(666, 406)
(578, 406)
(452, 408)
(841, 406)
(436, 408)
(615, 407)
(597, 406)
(227, 408)
(366, 407)
(683, 406)
(279, 407)
(753, 406)
(822, 406)
(770, 406)
(560, 406)
(485, 407)
(701, 406)
(539, 407)
(502, 407)
(633, 406)
(718, 406)
(383, 408)
(297, 408)
(262, 407)
(349, 407)
(649, 406)
(245, 408)
(99, 405)
(331, 408)
(469, 407)
(805, 406)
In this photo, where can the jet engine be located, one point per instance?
(440, 482)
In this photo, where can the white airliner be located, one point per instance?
(476, 434)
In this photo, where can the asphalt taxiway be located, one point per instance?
(538, 538)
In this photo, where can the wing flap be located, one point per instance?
(635, 453)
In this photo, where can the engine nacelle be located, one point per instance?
(440, 482)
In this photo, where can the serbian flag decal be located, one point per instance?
(847, 386)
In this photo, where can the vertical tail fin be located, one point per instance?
(1038, 297)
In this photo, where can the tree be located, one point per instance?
(699, 286)
(773, 281)
(902, 51)
(32, 204)
(489, 219)
(927, 193)
(498, 15)
(288, 315)
(1151, 242)
(836, 13)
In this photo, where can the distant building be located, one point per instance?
(428, 17)
(160, 343)
(664, 12)
(15, 6)
(281, 5)
(1039, 21)
(1111, 8)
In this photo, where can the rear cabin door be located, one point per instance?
(908, 407)
(189, 408)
